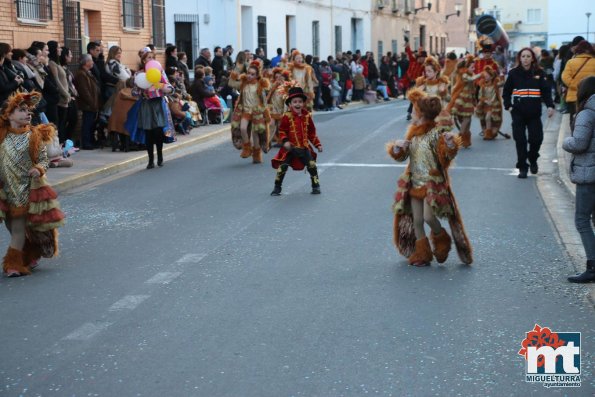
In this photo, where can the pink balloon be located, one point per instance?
(153, 64)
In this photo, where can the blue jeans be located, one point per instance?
(585, 205)
(88, 129)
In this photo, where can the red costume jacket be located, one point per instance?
(415, 69)
(300, 131)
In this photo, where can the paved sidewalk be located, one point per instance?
(93, 165)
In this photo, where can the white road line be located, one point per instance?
(191, 258)
(404, 165)
(87, 331)
(129, 302)
(163, 278)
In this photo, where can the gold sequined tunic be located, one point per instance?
(423, 159)
(15, 164)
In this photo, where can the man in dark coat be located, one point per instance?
(89, 100)
(204, 59)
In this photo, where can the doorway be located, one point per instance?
(184, 41)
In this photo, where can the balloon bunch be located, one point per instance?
(151, 76)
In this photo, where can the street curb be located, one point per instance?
(115, 168)
(563, 165)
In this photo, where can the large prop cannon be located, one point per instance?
(489, 26)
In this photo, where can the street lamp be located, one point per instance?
(429, 7)
(457, 12)
(588, 14)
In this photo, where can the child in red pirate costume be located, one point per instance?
(28, 204)
(297, 132)
(276, 99)
(423, 191)
(462, 101)
(490, 103)
(435, 85)
(415, 69)
(251, 115)
(303, 75)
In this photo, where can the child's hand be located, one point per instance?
(403, 144)
(34, 172)
(287, 145)
(449, 139)
(319, 148)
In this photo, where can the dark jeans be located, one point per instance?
(51, 112)
(533, 125)
(585, 205)
(88, 129)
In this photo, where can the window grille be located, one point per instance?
(159, 23)
(262, 33)
(316, 38)
(34, 10)
(338, 39)
(72, 31)
(133, 16)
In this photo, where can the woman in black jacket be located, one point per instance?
(524, 90)
(10, 80)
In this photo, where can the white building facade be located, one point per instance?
(525, 22)
(317, 27)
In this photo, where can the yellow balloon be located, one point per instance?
(153, 76)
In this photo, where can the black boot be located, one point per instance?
(588, 276)
(276, 191)
(281, 171)
(160, 159)
(313, 171)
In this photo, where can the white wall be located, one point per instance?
(513, 11)
(227, 23)
(567, 19)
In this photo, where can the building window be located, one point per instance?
(72, 31)
(262, 33)
(158, 8)
(437, 6)
(34, 10)
(380, 51)
(394, 46)
(534, 15)
(495, 12)
(133, 16)
(316, 38)
(338, 39)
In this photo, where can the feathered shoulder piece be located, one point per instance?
(264, 83)
(444, 80)
(415, 95)
(46, 132)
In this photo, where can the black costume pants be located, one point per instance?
(306, 158)
(532, 124)
(154, 137)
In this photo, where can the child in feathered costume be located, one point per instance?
(490, 103)
(28, 204)
(433, 84)
(462, 101)
(251, 115)
(276, 98)
(423, 191)
(303, 75)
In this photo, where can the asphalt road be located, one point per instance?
(191, 280)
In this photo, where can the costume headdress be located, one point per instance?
(18, 99)
(426, 105)
(257, 64)
(485, 44)
(431, 61)
(284, 72)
